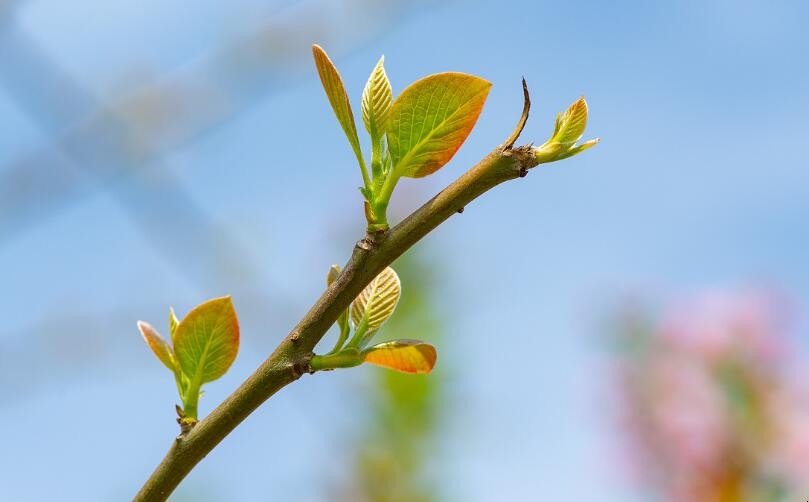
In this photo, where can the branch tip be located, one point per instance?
(526, 107)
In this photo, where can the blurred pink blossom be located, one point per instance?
(710, 406)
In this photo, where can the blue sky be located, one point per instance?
(700, 181)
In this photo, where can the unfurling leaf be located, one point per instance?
(207, 339)
(377, 301)
(158, 345)
(338, 98)
(571, 125)
(407, 356)
(577, 149)
(376, 100)
(430, 120)
(567, 131)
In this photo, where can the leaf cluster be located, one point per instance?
(412, 136)
(203, 347)
(366, 315)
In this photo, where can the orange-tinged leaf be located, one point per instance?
(158, 345)
(207, 340)
(430, 120)
(407, 356)
(338, 98)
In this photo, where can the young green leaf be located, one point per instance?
(173, 323)
(407, 356)
(571, 125)
(207, 339)
(567, 131)
(336, 92)
(158, 345)
(431, 119)
(376, 100)
(377, 301)
(577, 149)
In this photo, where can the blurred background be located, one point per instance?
(627, 325)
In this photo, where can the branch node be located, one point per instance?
(365, 244)
(186, 424)
(299, 368)
(524, 159)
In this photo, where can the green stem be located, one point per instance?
(387, 188)
(359, 334)
(390, 183)
(366, 180)
(344, 330)
(347, 358)
(379, 206)
(191, 399)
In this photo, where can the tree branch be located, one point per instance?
(291, 358)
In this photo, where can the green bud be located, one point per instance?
(334, 271)
(567, 131)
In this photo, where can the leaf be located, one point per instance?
(207, 340)
(376, 100)
(338, 98)
(158, 345)
(431, 119)
(407, 356)
(377, 301)
(567, 131)
(572, 123)
(173, 323)
(579, 148)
